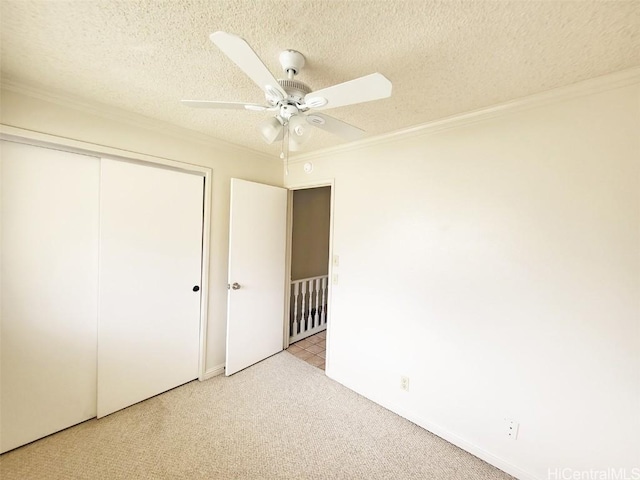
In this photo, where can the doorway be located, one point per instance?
(309, 273)
(260, 283)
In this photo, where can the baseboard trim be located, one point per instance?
(473, 449)
(212, 372)
(441, 432)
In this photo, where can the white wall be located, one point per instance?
(497, 264)
(114, 129)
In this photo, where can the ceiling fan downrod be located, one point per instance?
(292, 62)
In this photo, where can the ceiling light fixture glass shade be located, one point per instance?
(299, 132)
(271, 130)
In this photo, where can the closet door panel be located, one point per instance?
(49, 274)
(150, 261)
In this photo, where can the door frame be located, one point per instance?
(29, 137)
(290, 189)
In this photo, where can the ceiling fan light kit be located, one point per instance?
(271, 130)
(299, 132)
(291, 99)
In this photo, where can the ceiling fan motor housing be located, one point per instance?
(286, 112)
(296, 91)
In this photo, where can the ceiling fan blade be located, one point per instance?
(363, 89)
(335, 126)
(230, 105)
(239, 51)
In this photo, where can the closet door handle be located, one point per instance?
(235, 286)
(196, 288)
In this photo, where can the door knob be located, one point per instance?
(235, 286)
(196, 288)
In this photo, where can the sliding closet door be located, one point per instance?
(150, 270)
(49, 291)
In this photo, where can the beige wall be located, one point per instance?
(76, 122)
(497, 264)
(310, 237)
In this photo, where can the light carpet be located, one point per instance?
(280, 419)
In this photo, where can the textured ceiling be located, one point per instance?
(443, 57)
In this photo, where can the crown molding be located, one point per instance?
(119, 115)
(611, 81)
(595, 85)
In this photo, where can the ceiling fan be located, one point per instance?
(292, 101)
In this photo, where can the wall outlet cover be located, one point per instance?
(404, 383)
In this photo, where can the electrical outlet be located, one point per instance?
(512, 429)
(335, 279)
(404, 383)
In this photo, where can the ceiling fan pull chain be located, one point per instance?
(286, 142)
(284, 154)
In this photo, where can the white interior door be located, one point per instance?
(48, 324)
(257, 249)
(150, 261)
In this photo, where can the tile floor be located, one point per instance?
(311, 349)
